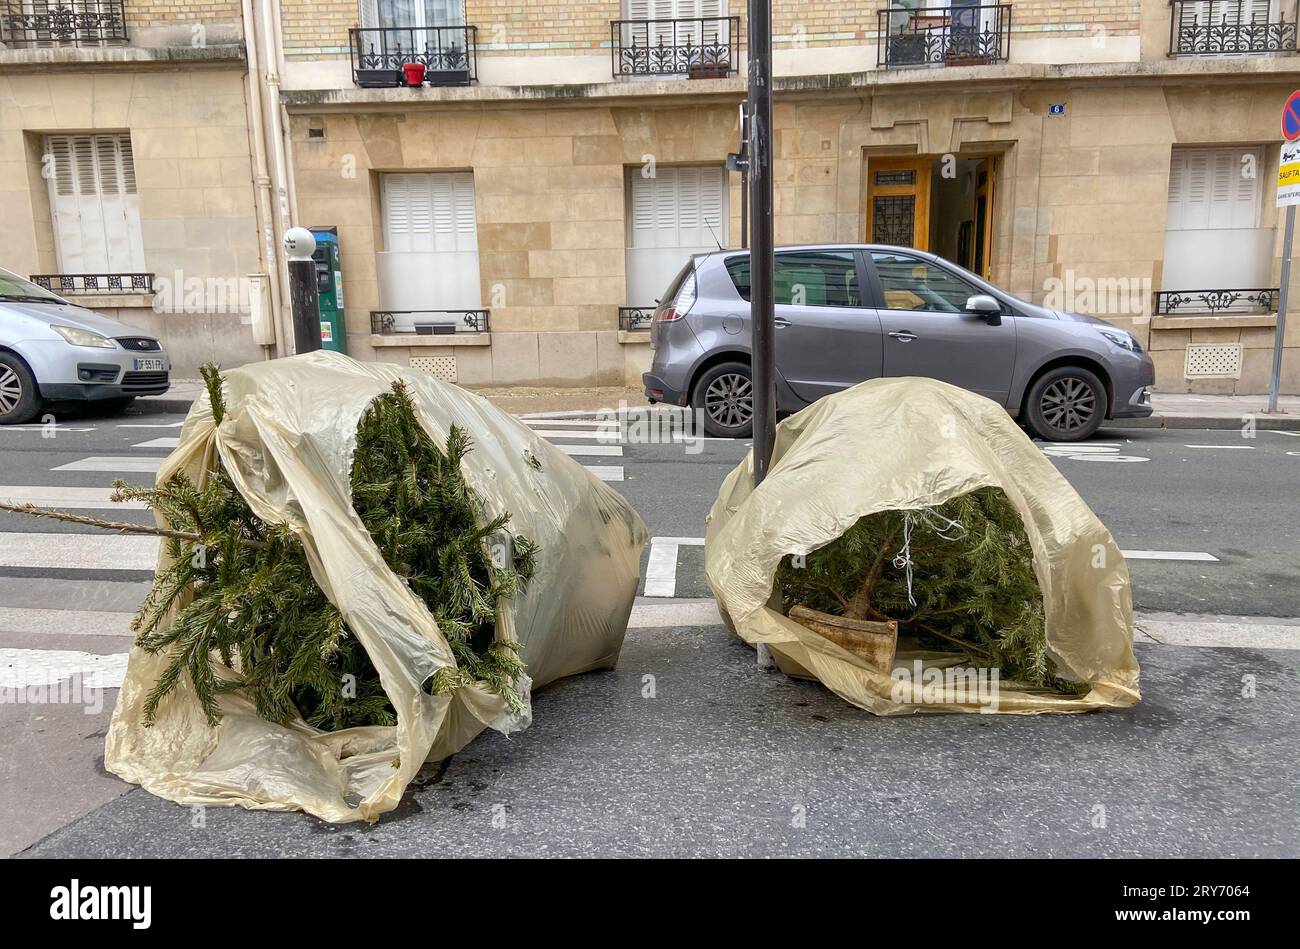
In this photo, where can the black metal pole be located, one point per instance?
(744, 175)
(306, 307)
(299, 246)
(760, 223)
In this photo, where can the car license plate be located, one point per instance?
(149, 364)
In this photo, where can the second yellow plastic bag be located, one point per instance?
(905, 444)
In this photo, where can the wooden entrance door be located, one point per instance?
(898, 202)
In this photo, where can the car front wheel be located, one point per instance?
(1067, 404)
(725, 397)
(19, 400)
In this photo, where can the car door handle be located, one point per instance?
(905, 336)
(780, 321)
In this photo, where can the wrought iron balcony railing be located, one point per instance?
(33, 23)
(943, 36)
(701, 48)
(1254, 301)
(1219, 27)
(449, 55)
(634, 318)
(429, 322)
(102, 283)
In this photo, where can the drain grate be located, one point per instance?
(1206, 360)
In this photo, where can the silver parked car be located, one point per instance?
(847, 313)
(51, 350)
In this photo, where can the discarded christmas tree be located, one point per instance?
(958, 577)
(238, 610)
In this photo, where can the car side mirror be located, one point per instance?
(983, 305)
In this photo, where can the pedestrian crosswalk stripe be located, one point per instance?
(612, 435)
(661, 570)
(151, 425)
(545, 423)
(64, 622)
(159, 443)
(613, 451)
(123, 463)
(79, 551)
(57, 496)
(1169, 555)
(606, 472)
(23, 668)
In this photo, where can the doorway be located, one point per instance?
(940, 204)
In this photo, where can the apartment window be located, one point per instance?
(673, 213)
(674, 37)
(1232, 27)
(1213, 237)
(93, 202)
(430, 257)
(412, 13)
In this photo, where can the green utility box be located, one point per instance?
(329, 289)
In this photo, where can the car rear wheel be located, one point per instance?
(1067, 404)
(19, 400)
(725, 397)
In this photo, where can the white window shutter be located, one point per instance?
(1210, 188)
(94, 203)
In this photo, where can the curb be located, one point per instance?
(159, 405)
(1208, 422)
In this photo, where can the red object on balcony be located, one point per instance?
(414, 73)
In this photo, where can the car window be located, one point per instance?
(910, 283)
(806, 278)
(14, 287)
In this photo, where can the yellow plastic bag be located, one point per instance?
(905, 444)
(287, 441)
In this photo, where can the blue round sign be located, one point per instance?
(1291, 118)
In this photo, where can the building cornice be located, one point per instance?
(964, 79)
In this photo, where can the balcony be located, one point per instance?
(31, 24)
(699, 48)
(90, 284)
(1231, 27)
(1254, 301)
(429, 322)
(943, 36)
(449, 55)
(633, 319)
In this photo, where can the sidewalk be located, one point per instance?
(1172, 410)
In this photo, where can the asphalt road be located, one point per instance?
(727, 760)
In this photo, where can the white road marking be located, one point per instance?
(79, 551)
(1091, 451)
(151, 425)
(1171, 629)
(51, 429)
(1169, 555)
(611, 451)
(1228, 447)
(21, 668)
(159, 443)
(677, 613)
(661, 570)
(606, 472)
(539, 423)
(47, 495)
(669, 545)
(611, 436)
(1277, 431)
(122, 463)
(65, 622)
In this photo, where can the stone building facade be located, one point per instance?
(507, 221)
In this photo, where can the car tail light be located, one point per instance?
(680, 305)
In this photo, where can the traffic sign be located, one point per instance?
(1288, 175)
(1291, 118)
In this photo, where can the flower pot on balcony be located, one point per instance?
(414, 74)
(701, 71)
(378, 78)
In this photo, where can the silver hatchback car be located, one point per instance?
(51, 350)
(848, 313)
